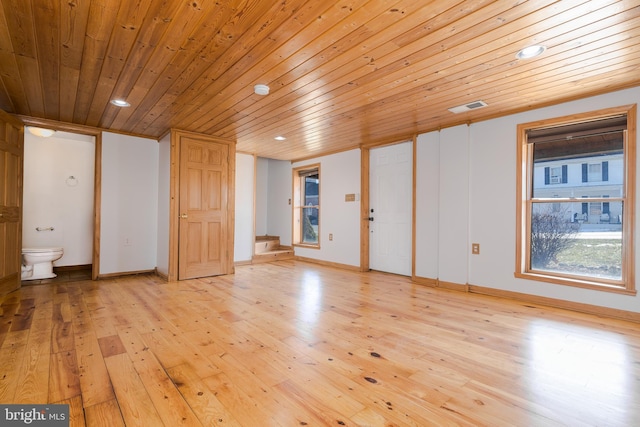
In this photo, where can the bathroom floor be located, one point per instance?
(64, 275)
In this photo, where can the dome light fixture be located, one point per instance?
(261, 90)
(530, 52)
(41, 132)
(120, 103)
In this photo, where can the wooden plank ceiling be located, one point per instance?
(342, 73)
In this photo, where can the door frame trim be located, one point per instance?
(174, 198)
(365, 156)
(97, 178)
(365, 188)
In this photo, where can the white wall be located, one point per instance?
(262, 195)
(478, 205)
(339, 175)
(279, 210)
(129, 218)
(453, 204)
(244, 235)
(427, 204)
(53, 199)
(164, 183)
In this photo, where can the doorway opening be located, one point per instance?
(61, 201)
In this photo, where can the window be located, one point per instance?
(306, 206)
(580, 233)
(555, 174)
(595, 172)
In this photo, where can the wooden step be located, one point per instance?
(268, 248)
(266, 244)
(274, 255)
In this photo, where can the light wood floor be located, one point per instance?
(296, 344)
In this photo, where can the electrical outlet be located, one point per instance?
(330, 236)
(475, 248)
(127, 241)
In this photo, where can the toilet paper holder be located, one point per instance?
(44, 228)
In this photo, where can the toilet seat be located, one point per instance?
(38, 250)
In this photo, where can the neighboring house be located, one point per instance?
(575, 178)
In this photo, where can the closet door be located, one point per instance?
(205, 208)
(11, 163)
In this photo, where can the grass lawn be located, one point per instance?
(597, 257)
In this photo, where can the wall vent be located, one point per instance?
(468, 107)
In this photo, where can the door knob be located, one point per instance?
(184, 216)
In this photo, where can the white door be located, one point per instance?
(390, 206)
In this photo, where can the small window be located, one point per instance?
(306, 206)
(595, 172)
(555, 175)
(580, 233)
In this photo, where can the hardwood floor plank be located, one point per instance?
(236, 401)
(7, 310)
(172, 350)
(94, 379)
(103, 323)
(64, 381)
(369, 376)
(35, 366)
(105, 414)
(76, 411)
(209, 410)
(111, 346)
(12, 356)
(165, 396)
(134, 401)
(292, 343)
(328, 414)
(24, 315)
(63, 338)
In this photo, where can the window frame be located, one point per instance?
(297, 207)
(524, 200)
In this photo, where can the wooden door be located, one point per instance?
(11, 164)
(390, 203)
(205, 207)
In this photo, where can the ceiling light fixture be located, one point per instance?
(279, 138)
(42, 132)
(261, 90)
(530, 52)
(120, 103)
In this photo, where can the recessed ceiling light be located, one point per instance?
(120, 103)
(279, 138)
(261, 89)
(42, 132)
(530, 52)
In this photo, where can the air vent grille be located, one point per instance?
(468, 107)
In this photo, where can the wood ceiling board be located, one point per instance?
(342, 74)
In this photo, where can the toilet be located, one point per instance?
(37, 263)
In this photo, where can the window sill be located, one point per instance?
(306, 245)
(578, 283)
